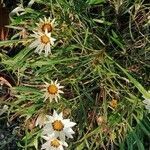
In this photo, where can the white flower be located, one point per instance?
(41, 120)
(43, 41)
(58, 126)
(147, 102)
(46, 24)
(52, 91)
(52, 143)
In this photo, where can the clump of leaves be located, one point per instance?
(96, 58)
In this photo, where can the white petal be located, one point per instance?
(47, 49)
(52, 82)
(49, 19)
(50, 118)
(39, 49)
(50, 99)
(61, 87)
(55, 115)
(41, 20)
(68, 123)
(57, 96)
(45, 19)
(64, 143)
(56, 99)
(34, 44)
(52, 41)
(44, 146)
(60, 91)
(61, 148)
(62, 136)
(56, 82)
(45, 138)
(53, 21)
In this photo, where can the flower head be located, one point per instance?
(41, 119)
(52, 143)
(46, 24)
(58, 126)
(52, 91)
(43, 41)
(113, 103)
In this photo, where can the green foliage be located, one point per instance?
(101, 54)
(95, 1)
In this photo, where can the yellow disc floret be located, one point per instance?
(55, 143)
(58, 125)
(52, 89)
(46, 26)
(45, 39)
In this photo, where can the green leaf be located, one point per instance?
(92, 2)
(102, 21)
(35, 143)
(81, 146)
(11, 42)
(134, 81)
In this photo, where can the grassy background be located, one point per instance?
(99, 45)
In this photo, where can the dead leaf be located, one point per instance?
(4, 81)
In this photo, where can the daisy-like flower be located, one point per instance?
(52, 91)
(58, 126)
(147, 102)
(52, 143)
(46, 24)
(41, 120)
(113, 103)
(43, 41)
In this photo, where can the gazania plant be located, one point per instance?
(43, 41)
(46, 24)
(52, 91)
(74, 75)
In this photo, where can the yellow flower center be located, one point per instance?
(52, 89)
(45, 39)
(47, 26)
(55, 143)
(113, 103)
(57, 125)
